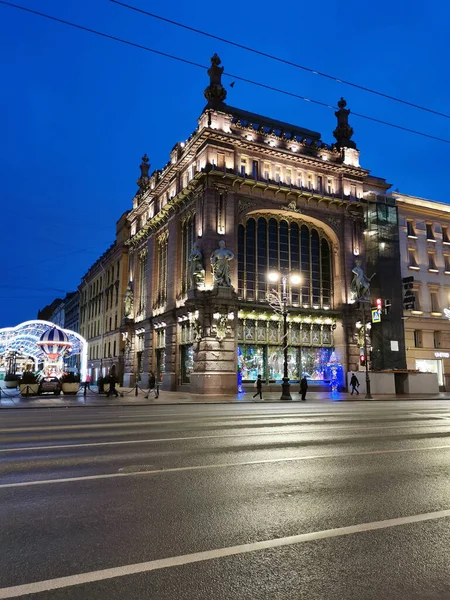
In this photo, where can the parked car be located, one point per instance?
(50, 385)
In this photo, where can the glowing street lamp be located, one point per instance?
(281, 306)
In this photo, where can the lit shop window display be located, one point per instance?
(251, 359)
(267, 361)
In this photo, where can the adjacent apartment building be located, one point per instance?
(102, 293)
(425, 252)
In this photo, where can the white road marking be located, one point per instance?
(221, 436)
(214, 466)
(196, 557)
(232, 419)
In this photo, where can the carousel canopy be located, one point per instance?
(27, 337)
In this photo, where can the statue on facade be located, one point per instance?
(215, 92)
(343, 131)
(360, 285)
(128, 302)
(196, 269)
(220, 265)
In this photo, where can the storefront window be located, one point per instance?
(251, 362)
(431, 366)
(275, 363)
(314, 363)
(187, 362)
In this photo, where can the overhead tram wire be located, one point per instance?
(279, 59)
(234, 77)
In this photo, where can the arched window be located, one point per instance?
(188, 235)
(271, 243)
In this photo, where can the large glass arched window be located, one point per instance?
(274, 243)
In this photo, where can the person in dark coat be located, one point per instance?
(258, 384)
(354, 384)
(112, 380)
(151, 384)
(303, 388)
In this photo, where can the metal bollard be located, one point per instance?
(85, 389)
(136, 390)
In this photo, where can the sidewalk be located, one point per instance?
(13, 399)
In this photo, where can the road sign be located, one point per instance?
(376, 315)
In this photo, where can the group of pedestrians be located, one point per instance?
(354, 384)
(303, 387)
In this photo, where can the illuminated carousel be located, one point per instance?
(40, 346)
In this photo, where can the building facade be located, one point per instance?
(243, 196)
(102, 293)
(425, 254)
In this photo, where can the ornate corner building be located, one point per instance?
(245, 195)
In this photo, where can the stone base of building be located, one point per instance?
(213, 383)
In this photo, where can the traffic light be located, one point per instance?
(409, 298)
(362, 357)
(379, 304)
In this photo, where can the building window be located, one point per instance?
(142, 282)
(319, 183)
(266, 171)
(432, 262)
(329, 186)
(417, 338)
(187, 243)
(445, 238)
(243, 166)
(114, 348)
(115, 321)
(434, 302)
(110, 323)
(162, 269)
(278, 174)
(412, 259)
(299, 179)
(430, 233)
(255, 169)
(436, 339)
(288, 176)
(220, 160)
(270, 243)
(310, 182)
(447, 264)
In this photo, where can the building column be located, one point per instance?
(215, 355)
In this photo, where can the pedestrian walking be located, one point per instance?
(152, 385)
(303, 388)
(258, 385)
(354, 384)
(88, 382)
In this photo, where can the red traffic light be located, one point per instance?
(379, 303)
(362, 360)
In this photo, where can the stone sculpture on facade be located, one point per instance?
(220, 265)
(360, 285)
(128, 304)
(215, 92)
(196, 269)
(343, 131)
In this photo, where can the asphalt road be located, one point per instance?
(295, 501)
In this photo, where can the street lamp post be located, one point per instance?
(280, 306)
(368, 395)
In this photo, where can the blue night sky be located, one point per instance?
(79, 111)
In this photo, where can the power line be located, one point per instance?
(235, 77)
(281, 60)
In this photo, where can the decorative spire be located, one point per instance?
(215, 93)
(144, 179)
(343, 131)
